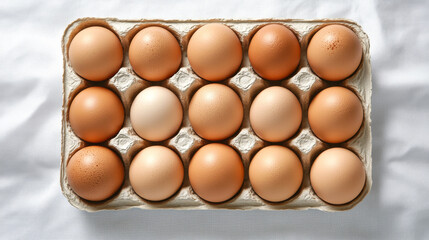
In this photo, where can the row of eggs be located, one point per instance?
(216, 112)
(216, 173)
(215, 52)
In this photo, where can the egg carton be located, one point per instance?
(184, 83)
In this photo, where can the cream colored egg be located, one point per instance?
(275, 114)
(156, 114)
(337, 176)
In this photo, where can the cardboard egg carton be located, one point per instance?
(184, 83)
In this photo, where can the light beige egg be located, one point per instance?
(156, 173)
(275, 114)
(337, 176)
(156, 114)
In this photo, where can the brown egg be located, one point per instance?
(275, 114)
(95, 53)
(156, 114)
(334, 52)
(155, 54)
(275, 173)
(96, 114)
(335, 114)
(215, 112)
(156, 173)
(337, 176)
(274, 52)
(214, 52)
(95, 173)
(216, 172)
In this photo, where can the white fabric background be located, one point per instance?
(31, 203)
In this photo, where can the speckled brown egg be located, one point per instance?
(95, 173)
(335, 114)
(95, 53)
(334, 52)
(155, 53)
(275, 173)
(215, 112)
(214, 52)
(275, 114)
(274, 52)
(96, 114)
(156, 173)
(216, 172)
(337, 176)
